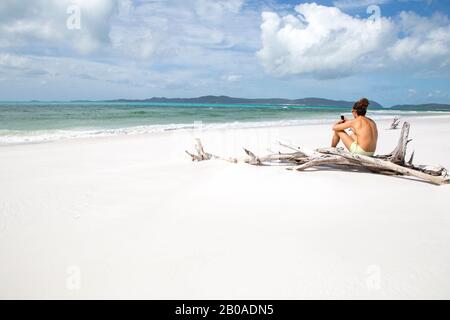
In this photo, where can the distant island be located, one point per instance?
(310, 102)
(421, 107)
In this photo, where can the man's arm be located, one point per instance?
(341, 126)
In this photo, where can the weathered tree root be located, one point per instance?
(395, 123)
(301, 159)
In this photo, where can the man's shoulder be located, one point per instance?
(372, 122)
(369, 119)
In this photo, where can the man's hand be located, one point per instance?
(341, 125)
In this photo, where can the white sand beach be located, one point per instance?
(133, 217)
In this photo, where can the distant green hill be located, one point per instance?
(422, 107)
(311, 102)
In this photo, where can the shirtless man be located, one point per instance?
(364, 138)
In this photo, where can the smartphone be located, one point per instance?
(342, 117)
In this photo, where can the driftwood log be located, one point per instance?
(395, 123)
(300, 159)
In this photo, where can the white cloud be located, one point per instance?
(12, 61)
(232, 77)
(41, 24)
(71, 70)
(176, 28)
(319, 40)
(212, 10)
(325, 42)
(426, 40)
(169, 32)
(412, 92)
(350, 4)
(164, 44)
(428, 2)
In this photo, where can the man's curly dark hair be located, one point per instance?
(361, 106)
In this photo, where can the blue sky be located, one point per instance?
(392, 51)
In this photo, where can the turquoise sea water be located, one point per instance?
(37, 121)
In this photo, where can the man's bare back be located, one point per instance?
(366, 133)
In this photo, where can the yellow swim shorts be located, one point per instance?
(354, 148)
